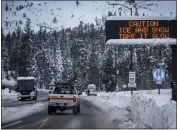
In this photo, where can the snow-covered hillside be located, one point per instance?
(68, 14)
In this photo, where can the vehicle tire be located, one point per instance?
(78, 108)
(49, 110)
(54, 110)
(75, 110)
(35, 98)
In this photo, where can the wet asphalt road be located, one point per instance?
(89, 117)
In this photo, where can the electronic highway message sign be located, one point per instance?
(143, 29)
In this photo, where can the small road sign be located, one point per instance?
(131, 77)
(159, 75)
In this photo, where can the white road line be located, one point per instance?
(44, 122)
(11, 124)
(27, 125)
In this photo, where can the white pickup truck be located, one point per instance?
(64, 97)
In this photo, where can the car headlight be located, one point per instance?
(32, 93)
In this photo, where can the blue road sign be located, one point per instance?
(158, 75)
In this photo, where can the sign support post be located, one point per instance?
(158, 86)
(158, 77)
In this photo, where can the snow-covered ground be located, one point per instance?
(113, 116)
(44, 90)
(146, 107)
(156, 111)
(70, 13)
(11, 82)
(15, 113)
(6, 95)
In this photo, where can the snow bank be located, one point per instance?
(153, 110)
(146, 106)
(44, 90)
(114, 117)
(14, 113)
(25, 78)
(8, 82)
(7, 95)
(84, 94)
(121, 99)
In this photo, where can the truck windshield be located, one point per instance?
(64, 90)
(25, 85)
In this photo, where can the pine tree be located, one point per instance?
(120, 13)
(24, 15)
(115, 13)
(136, 12)
(6, 8)
(17, 8)
(108, 77)
(171, 13)
(4, 53)
(110, 13)
(55, 20)
(24, 63)
(77, 2)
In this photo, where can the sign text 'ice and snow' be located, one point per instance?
(143, 29)
(140, 29)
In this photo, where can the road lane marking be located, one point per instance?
(11, 124)
(44, 122)
(26, 126)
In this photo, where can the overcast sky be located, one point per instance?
(86, 12)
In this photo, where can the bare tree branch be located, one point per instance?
(120, 5)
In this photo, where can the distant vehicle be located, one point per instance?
(64, 97)
(51, 87)
(26, 88)
(92, 90)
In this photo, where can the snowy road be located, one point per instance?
(90, 117)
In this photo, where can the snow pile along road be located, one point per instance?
(14, 113)
(9, 82)
(121, 99)
(43, 90)
(147, 107)
(7, 95)
(153, 110)
(114, 117)
(84, 94)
